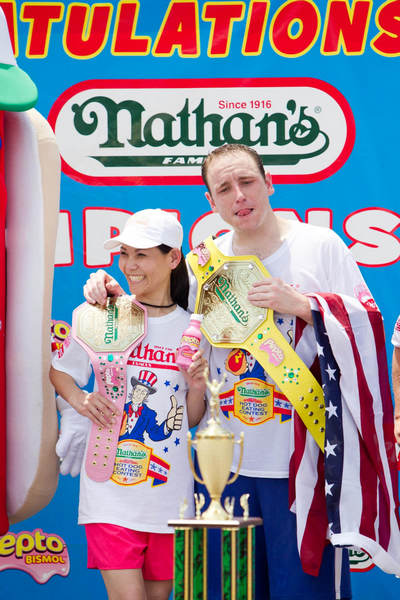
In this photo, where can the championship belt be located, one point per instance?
(229, 321)
(108, 334)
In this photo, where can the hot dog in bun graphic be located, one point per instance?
(29, 203)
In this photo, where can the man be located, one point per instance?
(302, 260)
(396, 378)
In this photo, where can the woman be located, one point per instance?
(126, 518)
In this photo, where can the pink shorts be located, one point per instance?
(112, 547)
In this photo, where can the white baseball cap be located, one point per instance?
(17, 90)
(148, 228)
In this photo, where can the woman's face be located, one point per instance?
(148, 271)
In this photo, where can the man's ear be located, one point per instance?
(268, 181)
(211, 202)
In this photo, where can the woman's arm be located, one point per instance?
(195, 397)
(98, 409)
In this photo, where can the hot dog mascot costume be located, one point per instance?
(29, 202)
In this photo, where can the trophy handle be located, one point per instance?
(191, 465)
(236, 475)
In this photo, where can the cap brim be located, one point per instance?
(17, 90)
(139, 242)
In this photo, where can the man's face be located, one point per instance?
(238, 192)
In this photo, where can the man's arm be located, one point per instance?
(396, 391)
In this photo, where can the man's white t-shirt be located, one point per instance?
(133, 498)
(311, 259)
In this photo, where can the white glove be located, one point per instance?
(74, 429)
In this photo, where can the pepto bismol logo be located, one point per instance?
(114, 131)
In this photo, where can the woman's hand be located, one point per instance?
(101, 411)
(195, 374)
(99, 286)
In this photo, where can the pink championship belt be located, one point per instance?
(108, 334)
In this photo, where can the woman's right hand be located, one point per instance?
(101, 411)
(99, 286)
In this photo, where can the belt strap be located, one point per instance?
(109, 335)
(265, 342)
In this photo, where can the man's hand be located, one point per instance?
(281, 297)
(99, 286)
(175, 415)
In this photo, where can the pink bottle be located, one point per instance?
(190, 342)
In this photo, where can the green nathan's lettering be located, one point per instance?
(278, 129)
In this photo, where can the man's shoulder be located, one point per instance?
(318, 234)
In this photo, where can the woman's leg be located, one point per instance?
(158, 590)
(124, 584)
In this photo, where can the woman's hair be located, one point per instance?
(179, 279)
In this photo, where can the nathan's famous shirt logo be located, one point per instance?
(224, 292)
(40, 554)
(302, 128)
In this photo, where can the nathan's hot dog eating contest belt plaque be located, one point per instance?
(108, 334)
(229, 320)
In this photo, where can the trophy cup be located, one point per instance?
(215, 447)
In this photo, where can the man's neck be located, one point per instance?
(263, 241)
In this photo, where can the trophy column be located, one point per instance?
(237, 558)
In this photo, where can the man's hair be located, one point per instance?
(230, 149)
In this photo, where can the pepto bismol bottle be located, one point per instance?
(190, 342)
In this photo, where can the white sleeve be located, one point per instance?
(74, 361)
(345, 275)
(192, 289)
(396, 334)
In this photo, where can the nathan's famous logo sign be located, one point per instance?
(159, 131)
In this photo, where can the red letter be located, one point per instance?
(11, 18)
(41, 17)
(125, 41)
(180, 29)
(86, 29)
(387, 19)
(306, 15)
(222, 16)
(255, 28)
(345, 27)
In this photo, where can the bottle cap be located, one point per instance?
(197, 317)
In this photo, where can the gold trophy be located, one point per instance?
(215, 447)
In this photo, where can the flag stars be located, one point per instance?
(331, 372)
(328, 488)
(331, 410)
(177, 441)
(320, 350)
(167, 383)
(330, 449)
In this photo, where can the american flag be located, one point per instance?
(349, 495)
